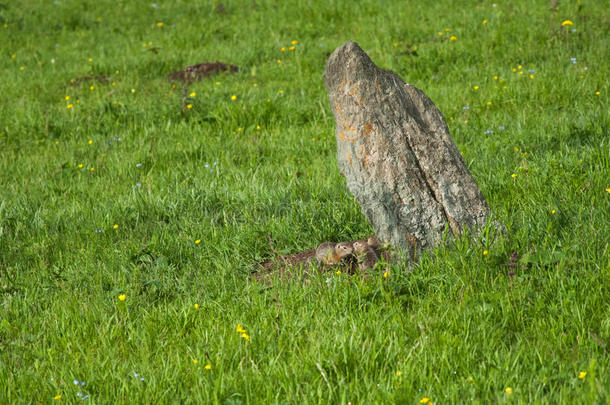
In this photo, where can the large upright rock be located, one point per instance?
(397, 156)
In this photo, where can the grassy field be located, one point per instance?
(129, 221)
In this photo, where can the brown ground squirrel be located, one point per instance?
(366, 253)
(330, 253)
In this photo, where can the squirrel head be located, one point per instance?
(374, 242)
(344, 249)
(360, 247)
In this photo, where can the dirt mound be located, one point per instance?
(200, 71)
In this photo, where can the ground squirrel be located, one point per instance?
(330, 253)
(365, 253)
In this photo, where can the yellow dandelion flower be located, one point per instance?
(279, 61)
(452, 38)
(122, 297)
(424, 400)
(92, 169)
(133, 91)
(440, 33)
(516, 149)
(56, 397)
(597, 93)
(69, 106)
(553, 212)
(582, 374)
(268, 100)
(67, 98)
(92, 88)
(21, 67)
(114, 83)
(521, 72)
(292, 48)
(447, 30)
(239, 329)
(189, 106)
(217, 83)
(608, 190)
(283, 49)
(13, 56)
(245, 336)
(281, 91)
(116, 72)
(386, 274)
(489, 103)
(233, 97)
(195, 361)
(398, 373)
(567, 22)
(476, 87)
(338, 272)
(196, 306)
(508, 390)
(519, 67)
(484, 21)
(514, 70)
(294, 42)
(193, 94)
(495, 77)
(198, 241)
(531, 76)
(90, 60)
(258, 127)
(80, 166)
(240, 129)
(505, 87)
(99, 19)
(470, 379)
(513, 175)
(485, 252)
(90, 141)
(159, 24)
(208, 367)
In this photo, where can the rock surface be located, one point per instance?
(397, 156)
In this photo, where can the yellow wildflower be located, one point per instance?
(90, 141)
(489, 103)
(424, 400)
(386, 274)
(195, 361)
(452, 38)
(189, 106)
(398, 373)
(567, 22)
(13, 56)
(92, 169)
(69, 106)
(283, 49)
(519, 67)
(159, 24)
(294, 42)
(476, 87)
(582, 374)
(553, 212)
(516, 149)
(281, 91)
(56, 397)
(193, 94)
(484, 21)
(597, 93)
(495, 77)
(338, 272)
(198, 241)
(447, 30)
(90, 60)
(485, 252)
(116, 226)
(513, 175)
(67, 98)
(21, 67)
(196, 306)
(92, 88)
(80, 166)
(245, 336)
(531, 76)
(239, 329)
(122, 297)
(233, 97)
(514, 70)
(440, 33)
(208, 367)
(508, 390)
(133, 91)
(608, 190)
(292, 48)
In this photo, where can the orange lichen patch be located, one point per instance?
(368, 128)
(349, 157)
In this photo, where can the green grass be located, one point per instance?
(455, 329)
